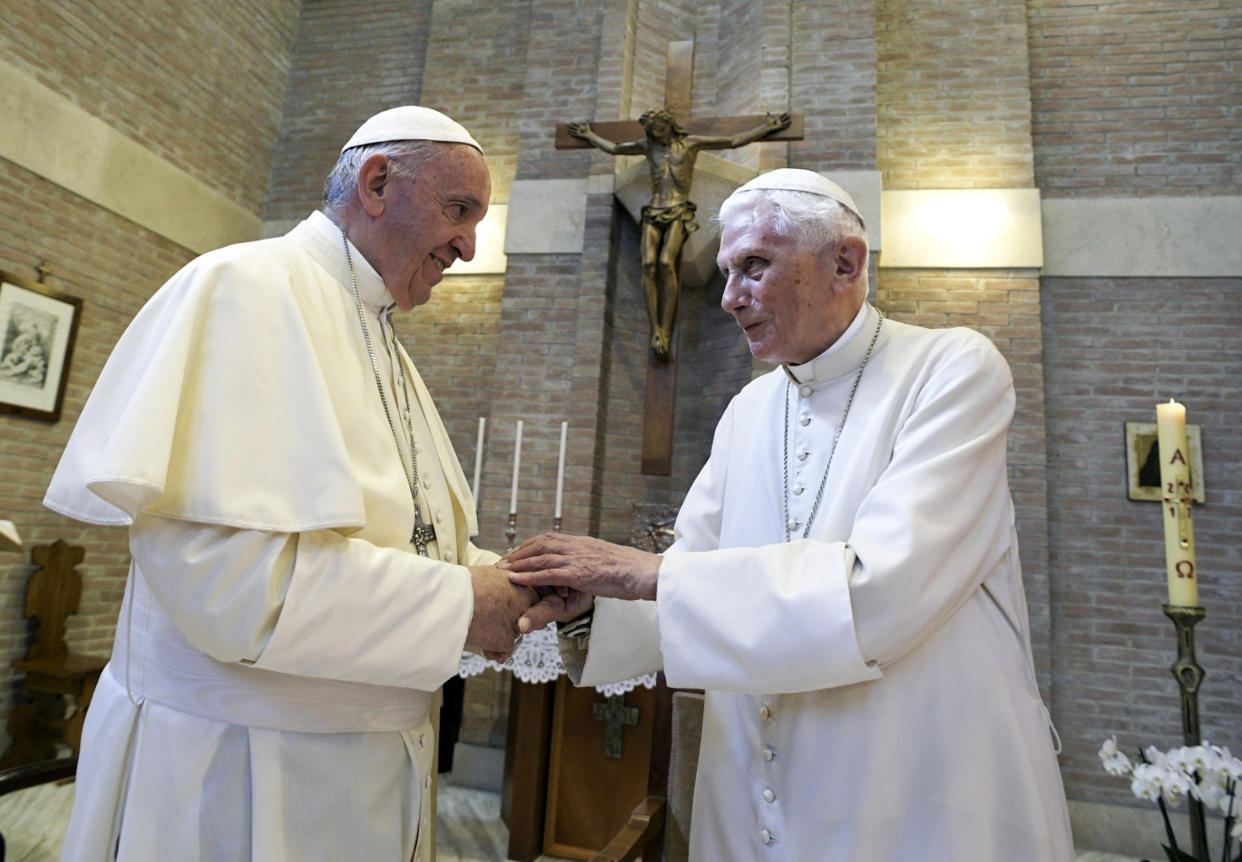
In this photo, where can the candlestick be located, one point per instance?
(1179, 540)
(1189, 675)
(478, 461)
(560, 473)
(517, 463)
(511, 529)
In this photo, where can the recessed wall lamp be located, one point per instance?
(962, 228)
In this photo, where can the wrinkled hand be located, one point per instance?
(579, 130)
(497, 606)
(584, 564)
(779, 121)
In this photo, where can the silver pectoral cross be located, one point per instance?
(422, 535)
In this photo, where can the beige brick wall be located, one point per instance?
(1136, 97)
(349, 61)
(198, 83)
(954, 105)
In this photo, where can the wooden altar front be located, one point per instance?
(577, 761)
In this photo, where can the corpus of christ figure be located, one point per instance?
(669, 218)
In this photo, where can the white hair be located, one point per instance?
(405, 157)
(816, 221)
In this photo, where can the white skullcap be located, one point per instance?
(410, 123)
(799, 180)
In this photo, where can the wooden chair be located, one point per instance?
(665, 816)
(58, 685)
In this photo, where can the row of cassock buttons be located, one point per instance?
(769, 795)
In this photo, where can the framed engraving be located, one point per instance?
(1143, 462)
(38, 326)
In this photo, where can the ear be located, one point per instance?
(849, 263)
(373, 178)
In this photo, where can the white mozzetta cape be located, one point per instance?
(279, 640)
(871, 693)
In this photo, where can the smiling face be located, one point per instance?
(792, 303)
(424, 217)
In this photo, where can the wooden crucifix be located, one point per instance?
(671, 140)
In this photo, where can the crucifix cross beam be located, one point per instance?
(625, 130)
(678, 82)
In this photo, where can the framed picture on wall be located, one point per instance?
(38, 326)
(1143, 462)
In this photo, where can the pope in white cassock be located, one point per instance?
(302, 577)
(844, 581)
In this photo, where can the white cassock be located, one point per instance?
(870, 689)
(279, 641)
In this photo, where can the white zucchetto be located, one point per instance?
(800, 180)
(410, 123)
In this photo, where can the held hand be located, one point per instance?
(579, 130)
(557, 606)
(497, 606)
(584, 564)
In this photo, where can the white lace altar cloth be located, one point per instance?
(538, 659)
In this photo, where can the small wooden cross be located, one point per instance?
(657, 452)
(43, 270)
(616, 716)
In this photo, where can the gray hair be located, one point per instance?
(405, 159)
(814, 220)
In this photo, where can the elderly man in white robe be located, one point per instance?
(302, 577)
(844, 581)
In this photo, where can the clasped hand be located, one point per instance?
(497, 606)
(577, 568)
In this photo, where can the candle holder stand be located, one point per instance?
(1189, 674)
(556, 524)
(511, 529)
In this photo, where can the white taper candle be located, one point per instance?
(517, 464)
(560, 471)
(478, 461)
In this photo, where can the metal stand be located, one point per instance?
(511, 530)
(556, 525)
(1189, 674)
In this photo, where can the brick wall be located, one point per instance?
(954, 105)
(1113, 349)
(1133, 99)
(350, 60)
(1136, 97)
(833, 82)
(198, 83)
